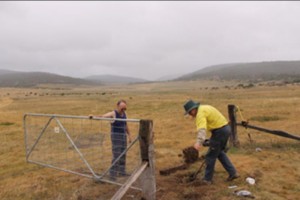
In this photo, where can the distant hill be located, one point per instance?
(264, 71)
(29, 79)
(168, 77)
(5, 71)
(112, 79)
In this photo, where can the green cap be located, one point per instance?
(190, 105)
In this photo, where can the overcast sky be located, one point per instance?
(144, 39)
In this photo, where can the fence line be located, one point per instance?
(232, 109)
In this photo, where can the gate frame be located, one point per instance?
(145, 173)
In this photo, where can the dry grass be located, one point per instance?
(276, 167)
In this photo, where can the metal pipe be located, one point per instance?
(57, 168)
(79, 174)
(82, 117)
(75, 147)
(38, 139)
(117, 159)
(57, 118)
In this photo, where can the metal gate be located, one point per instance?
(80, 145)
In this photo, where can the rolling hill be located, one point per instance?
(5, 71)
(168, 77)
(259, 71)
(9, 78)
(30, 79)
(112, 79)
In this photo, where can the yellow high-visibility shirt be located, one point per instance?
(209, 118)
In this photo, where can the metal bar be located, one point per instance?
(79, 174)
(123, 153)
(73, 144)
(82, 117)
(274, 132)
(93, 174)
(38, 139)
(115, 119)
(120, 193)
(57, 168)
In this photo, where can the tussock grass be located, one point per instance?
(6, 123)
(265, 118)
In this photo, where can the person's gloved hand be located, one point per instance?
(206, 143)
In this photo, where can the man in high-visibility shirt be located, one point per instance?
(208, 118)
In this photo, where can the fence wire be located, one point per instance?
(88, 147)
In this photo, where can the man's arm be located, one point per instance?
(109, 115)
(106, 115)
(200, 138)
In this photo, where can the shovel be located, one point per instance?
(193, 176)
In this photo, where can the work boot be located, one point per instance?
(205, 182)
(201, 182)
(232, 177)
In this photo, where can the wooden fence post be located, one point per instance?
(147, 178)
(234, 141)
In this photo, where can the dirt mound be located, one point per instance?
(190, 155)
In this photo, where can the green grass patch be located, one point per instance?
(265, 118)
(6, 123)
(290, 145)
(234, 150)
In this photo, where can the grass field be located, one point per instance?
(276, 168)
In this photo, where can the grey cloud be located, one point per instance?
(144, 39)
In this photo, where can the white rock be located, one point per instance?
(243, 193)
(250, 180)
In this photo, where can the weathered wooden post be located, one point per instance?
(147, 178)
(146, 172)
(234, 141)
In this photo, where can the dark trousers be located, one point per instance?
(216, 149)
(119, 145)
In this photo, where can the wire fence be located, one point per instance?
(95, 148)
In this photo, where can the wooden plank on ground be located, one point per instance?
(121, 192)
